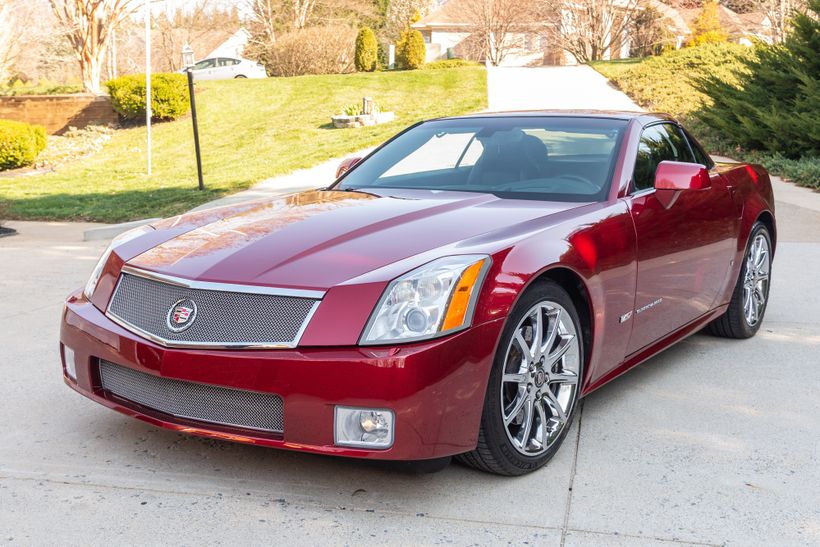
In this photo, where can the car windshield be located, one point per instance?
(548, 158)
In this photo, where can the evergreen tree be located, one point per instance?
(776, 106)
(366, 50)
(410, 50)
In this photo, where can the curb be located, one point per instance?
(113, 230)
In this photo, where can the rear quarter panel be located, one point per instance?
(753, 196)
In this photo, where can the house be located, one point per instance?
(233, 47)
(744, 28)
(447, 33)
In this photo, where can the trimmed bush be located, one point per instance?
(450, 63)
(410, 50)
(169, 96)
(665, 83)
(20, 143)
(367, 50)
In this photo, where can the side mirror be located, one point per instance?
(674, 177)
(345, 166)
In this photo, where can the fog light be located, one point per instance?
(363, 427)
(70, 364)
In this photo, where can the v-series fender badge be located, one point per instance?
(649, 306)
(628, 315)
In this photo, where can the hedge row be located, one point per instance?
(20, 143)
(169, 96)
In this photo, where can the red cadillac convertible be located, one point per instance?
(454, 293)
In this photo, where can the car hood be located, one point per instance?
(319, 239)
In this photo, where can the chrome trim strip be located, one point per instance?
(204, 345)
(223, 287)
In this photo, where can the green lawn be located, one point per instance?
(249, 130)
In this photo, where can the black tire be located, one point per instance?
(240, 76)
(733, 323)
(495, 452)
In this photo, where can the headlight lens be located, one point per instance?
(432, 300)
(119, 240)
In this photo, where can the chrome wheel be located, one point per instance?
(756, 279)
(540, 380)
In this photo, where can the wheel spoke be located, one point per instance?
(538, 334)
(760, 259)
(528, 420)
(526, 350)
(542, 417)
(563, 346)
(515, 377)
(555, 323)
(523, 397)
(555, 407)
(564, 377)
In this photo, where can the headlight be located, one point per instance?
(430, 301)
(119, 240)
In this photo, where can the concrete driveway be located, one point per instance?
(713, 442)
(553, 87)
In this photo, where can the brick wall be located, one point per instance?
(58, 112)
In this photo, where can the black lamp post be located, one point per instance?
(188, 62)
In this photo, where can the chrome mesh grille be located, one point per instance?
(223, 318)
(199, 402)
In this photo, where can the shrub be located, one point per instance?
(20, 143)
(312, 50)
(367, 50)
(169, 96)
(410, 50)
(665, 82)
(773, 101)
(450, 63)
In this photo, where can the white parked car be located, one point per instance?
(226, 68)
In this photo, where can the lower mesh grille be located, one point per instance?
(200, 402)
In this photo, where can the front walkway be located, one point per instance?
(554, 87)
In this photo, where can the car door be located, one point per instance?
(234, 67)
(684, 249)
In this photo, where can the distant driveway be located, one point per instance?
(556, 87)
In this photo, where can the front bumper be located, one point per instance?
(436, 388)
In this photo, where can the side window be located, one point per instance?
(661, 142)
(701, 157)
(207, 63)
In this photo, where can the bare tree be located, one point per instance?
(496, 21)
(15, 21)
(779, 13)
(262, 25)
(591, 29)
(88, 25)
(401, 13)
(202, 24)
